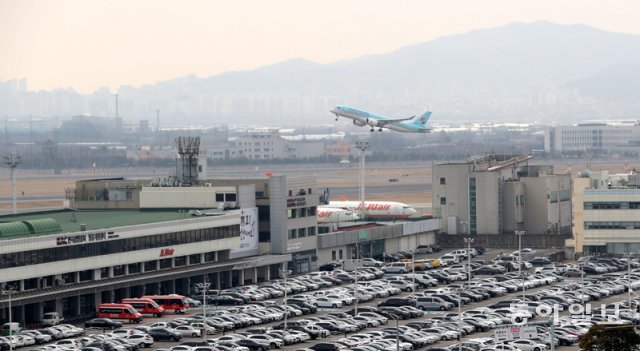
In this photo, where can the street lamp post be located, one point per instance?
(459, 322)
(355, 283)
(413, 271)
(520, 233)
(395, 317)
(284, 273)
(204, 286)
(629, 278)
(469, 241)
(9, 291)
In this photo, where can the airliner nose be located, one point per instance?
(333, 110)
(410, 211)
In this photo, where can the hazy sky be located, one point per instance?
(86, 44)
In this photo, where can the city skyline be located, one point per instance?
(85, 45)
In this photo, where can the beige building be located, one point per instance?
(499, 194)
(606, 213)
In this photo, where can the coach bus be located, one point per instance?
(119, 311)
(145, 306)
(175, 303)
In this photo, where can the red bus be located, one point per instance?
(145, 306)
(176, 303)
(119, 311)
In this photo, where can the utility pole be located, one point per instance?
(13, 161)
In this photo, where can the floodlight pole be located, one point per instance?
(13, 161)
(362, 145)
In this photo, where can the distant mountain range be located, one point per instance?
(535, 71)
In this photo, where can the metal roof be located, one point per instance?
(13, 228)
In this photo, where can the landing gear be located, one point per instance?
(372, 130)
(336, 117)
(380, 130)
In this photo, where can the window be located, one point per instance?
(219, 197)
(443, 181)
(333, 255)
(340, 253)
(312, 211)
(311, 231)
(443, 201)
(302, 232)
(303, 212)
(292, 234)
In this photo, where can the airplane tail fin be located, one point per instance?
(422, 120)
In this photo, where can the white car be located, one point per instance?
(370, 262)
(144, 340)
(273, 342)
(326, 302)
(187, 330)
(528, 345)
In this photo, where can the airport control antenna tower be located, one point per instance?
(187, 162)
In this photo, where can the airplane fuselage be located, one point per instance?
(375, 209)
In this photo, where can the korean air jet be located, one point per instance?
(363, 118)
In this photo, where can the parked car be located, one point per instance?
(104, 323)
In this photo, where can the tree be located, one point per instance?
(608, 337)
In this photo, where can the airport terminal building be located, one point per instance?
(122, 238)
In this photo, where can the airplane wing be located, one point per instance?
(383, 122)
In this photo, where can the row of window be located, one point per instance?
(301, 232)
(611, 205)
(612, 225)
(301, 212)
(25, 258)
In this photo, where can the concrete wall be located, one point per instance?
(509, 241)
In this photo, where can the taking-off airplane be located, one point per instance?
(362, 118)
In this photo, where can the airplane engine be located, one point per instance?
(373, 122)
(358, 123)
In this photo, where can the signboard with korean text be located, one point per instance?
(248, 233)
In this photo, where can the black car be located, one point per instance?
(393, 312)
(479, 249)
(436, 248)
(326, 346)
(486, 270)
(226, 300)
(104, 323)
(163, 334)
(397, 301)
(540, 261)
(254, 345)
(235, 295)
(4, 346)
(329, 267)
(106, 346)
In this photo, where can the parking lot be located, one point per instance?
(434, 329)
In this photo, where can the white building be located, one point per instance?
(594, 137)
